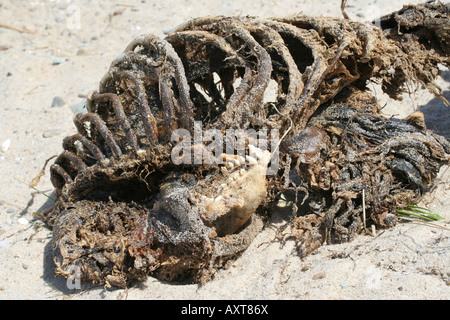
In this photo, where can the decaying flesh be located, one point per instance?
(126, 210)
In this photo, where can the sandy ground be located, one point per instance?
(62, 49)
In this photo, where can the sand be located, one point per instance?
(62, 49)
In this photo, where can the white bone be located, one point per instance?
(252, 161)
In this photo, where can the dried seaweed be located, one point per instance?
(125, 209)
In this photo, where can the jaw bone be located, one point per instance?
(237, 193)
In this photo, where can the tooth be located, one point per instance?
(223, 170)
(263, 156)
(259, 154)
(236, 162)
(229, 165)
(251, 150)
(218, 198)
(242, 171)
(235, 176)
(255, 152)
(252, 161)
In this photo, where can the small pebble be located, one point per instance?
(25, 266)
(23, 221)
(51, 133)
(318, 276)
(6, 144)
(57, 102)
(167, 30)
(8, 74)
(4, 244)
(10, 210)
(82, 52)
(79, 107)
(57, 61)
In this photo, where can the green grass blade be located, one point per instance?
(426, 212)
(410, 213)
(416, 212)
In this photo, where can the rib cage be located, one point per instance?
(152, 88)
(217, 70)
